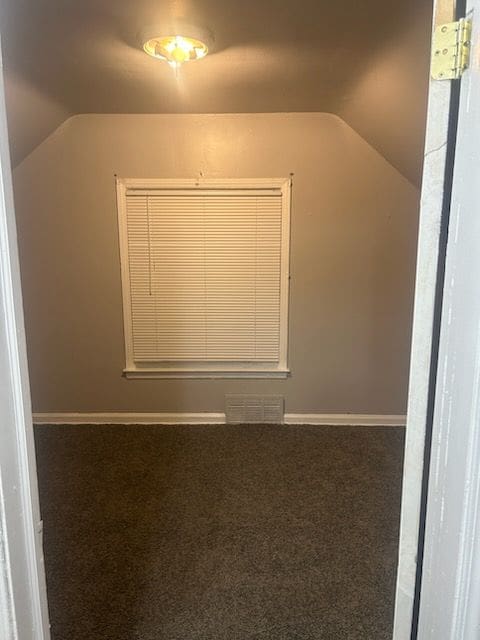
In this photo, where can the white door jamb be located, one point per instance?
(23, 601)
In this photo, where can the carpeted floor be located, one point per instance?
(220, 532)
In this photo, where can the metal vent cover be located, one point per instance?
(253, 409)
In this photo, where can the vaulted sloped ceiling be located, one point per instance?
(365, 61)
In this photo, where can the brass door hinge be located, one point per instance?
(451, 49)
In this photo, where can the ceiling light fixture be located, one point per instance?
(189, 43)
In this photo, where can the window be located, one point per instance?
(205, 277)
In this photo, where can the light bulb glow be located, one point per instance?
(176, 50)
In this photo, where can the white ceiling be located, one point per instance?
(269, 55)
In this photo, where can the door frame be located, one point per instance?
(434, 206)
(437, 579)
(23, 595)
(449, 599)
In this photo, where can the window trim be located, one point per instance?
(205, 370)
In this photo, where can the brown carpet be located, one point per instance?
(220, 532)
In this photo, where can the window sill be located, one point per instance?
(149, 374)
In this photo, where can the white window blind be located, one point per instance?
(207, 274)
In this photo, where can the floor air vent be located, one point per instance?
(249, 409)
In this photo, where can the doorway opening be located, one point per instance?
(151, 525)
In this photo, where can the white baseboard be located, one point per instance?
(326, 419)
(347, 419)
(129, 418)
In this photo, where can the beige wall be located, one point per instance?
(354, 221)
(32, 115)
(387, 103)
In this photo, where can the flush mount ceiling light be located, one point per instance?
(186, 44)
